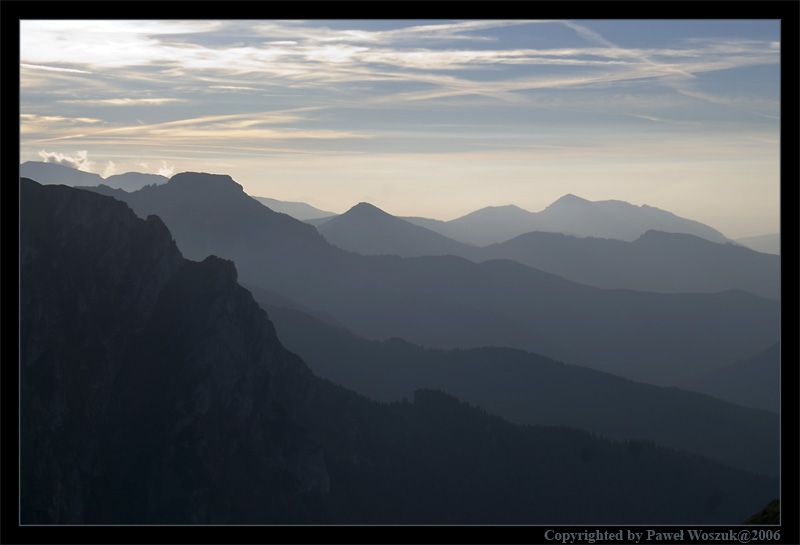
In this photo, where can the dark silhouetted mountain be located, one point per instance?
(298, 210)
(530, 389)
(52, 173)
(450, 302)
(154, 390)
(752, 382)
(366, 229)
(768, 244)
(569, 215)
(212, 211)
(656, 261)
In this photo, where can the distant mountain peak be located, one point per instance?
(509, 207)
(506, 209)
(365, 208)
(569, 198)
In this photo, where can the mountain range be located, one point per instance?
(656, 261)
(570, 215)
(154, 390)
(53, 173)
(451, 302)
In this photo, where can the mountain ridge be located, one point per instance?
(53, 173)
(601, 219)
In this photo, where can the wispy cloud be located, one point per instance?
(54, 125)
(53, 68)
(308, 55)
(123, 101)
(251, 126)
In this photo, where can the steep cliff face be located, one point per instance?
(153, 388)
(203, 424)
(91, 273)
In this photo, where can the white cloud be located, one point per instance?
(166, 170)
(110, 169)
(79, 161)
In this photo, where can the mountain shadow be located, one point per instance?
(154, 390)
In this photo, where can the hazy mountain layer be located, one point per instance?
(769, 244)
(569, 215)
(368, 230)
(52, 173)
(655, 261)
(531, 389)
(752, 382)
(450, 302)
(298, 210)
(154, 390)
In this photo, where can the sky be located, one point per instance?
(432, 118)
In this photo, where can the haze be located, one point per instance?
(422, 118)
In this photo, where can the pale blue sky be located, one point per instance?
(427, 118)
